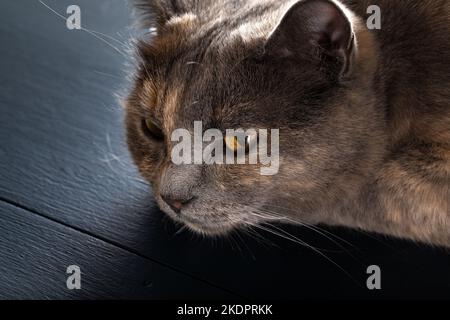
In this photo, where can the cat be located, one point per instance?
(363, 115)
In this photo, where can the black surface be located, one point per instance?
(37, 253)
(64, 163)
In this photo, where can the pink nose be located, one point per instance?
(175, 204)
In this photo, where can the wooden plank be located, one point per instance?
(35, 254)
(62, 155)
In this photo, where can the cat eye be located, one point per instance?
(232, 143)
(152, 129)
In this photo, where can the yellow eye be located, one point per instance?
(233, 143)
(152, 129)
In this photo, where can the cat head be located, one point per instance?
(305, 68)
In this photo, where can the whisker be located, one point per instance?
(111, 157)
(109, 37)
(92, 33)
(247, 229)
(259, 237)
(315, 228)
(108, 74)
(273, 218)
(323, 233)
(309, 247)
(232, 242)
(245, 244)
(182, 228)
(104, 41)
(142, 57)
(322, 249)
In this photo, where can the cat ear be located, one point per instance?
(155, 13)
(315, 28)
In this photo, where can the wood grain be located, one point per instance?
(35, 254)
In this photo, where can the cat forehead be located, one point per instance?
(226, 23)
(256, 20)
(258, 24)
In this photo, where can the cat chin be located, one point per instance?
(213, 229)
(216, 229)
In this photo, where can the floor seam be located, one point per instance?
(114, 243)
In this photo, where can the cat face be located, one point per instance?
(271, 67)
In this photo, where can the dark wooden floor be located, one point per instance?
(69, 195)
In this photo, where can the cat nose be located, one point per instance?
(175, 204)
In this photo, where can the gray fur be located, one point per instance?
(366, 148)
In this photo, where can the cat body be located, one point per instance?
(364, 115)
